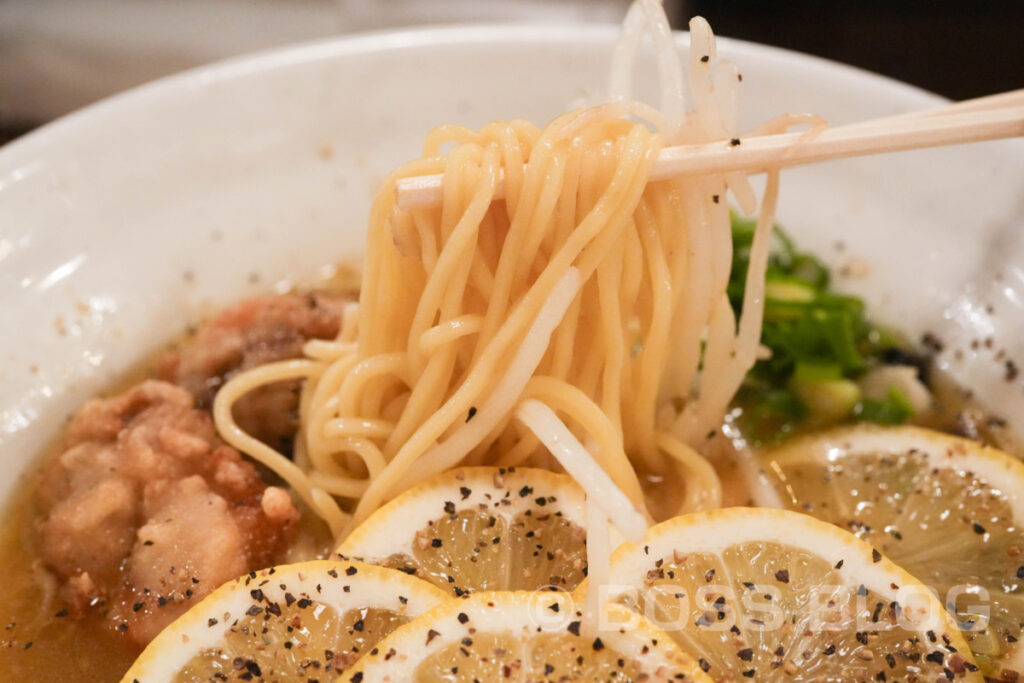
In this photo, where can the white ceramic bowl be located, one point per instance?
(123, 223)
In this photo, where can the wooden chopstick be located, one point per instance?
(988, 118)
(1011, 98)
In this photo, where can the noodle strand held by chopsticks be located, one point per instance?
(588, 306)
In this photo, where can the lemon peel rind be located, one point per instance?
(525, 612)
(717, 530)
(466, 488)
(992, 465)
(324, 581)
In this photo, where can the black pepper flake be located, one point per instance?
(878, 611)
(1011, 371)
(471, 414)
(525, 491)
(598, 645)
(746, 654)
(735, 142)
(931, 342)
(705, 58)
(358, 626)
(830, 650)
(839, 564)
(333, 573)
(978, 529)
(431, 634)
(875, 555)
(715, 198)
(351, 571)
(64, 612)
(574, 628)
(304, 603)
(935, 656)
(357, 677)
(463, 617)
(137, 606)
(1020, 572)
(710, 574)
(704, 664)
(749, 673)
(435, 543)
(782, 576)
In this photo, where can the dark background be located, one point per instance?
(956, 48)
(959, 49)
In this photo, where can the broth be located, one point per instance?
(38, 643)
(41, 642)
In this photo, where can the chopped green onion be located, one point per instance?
(790, 290)
(829, 400)
(820, 342)
(894, 410)
(812, 372)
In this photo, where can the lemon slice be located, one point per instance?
(296, 622)
(948, 510)
(481, 528)
(773, 595)
(523, 636)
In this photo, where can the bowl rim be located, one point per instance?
(18, 151)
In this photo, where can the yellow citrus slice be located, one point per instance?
(296, 622)
(948, 510)
(523, 636)
(773, 595)
(481, 528)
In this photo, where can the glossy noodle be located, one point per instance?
(585, 289)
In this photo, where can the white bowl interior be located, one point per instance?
(122, 224)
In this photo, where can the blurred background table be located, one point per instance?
(59, 55)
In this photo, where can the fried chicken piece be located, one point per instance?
(251, 333)
(146, 511)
